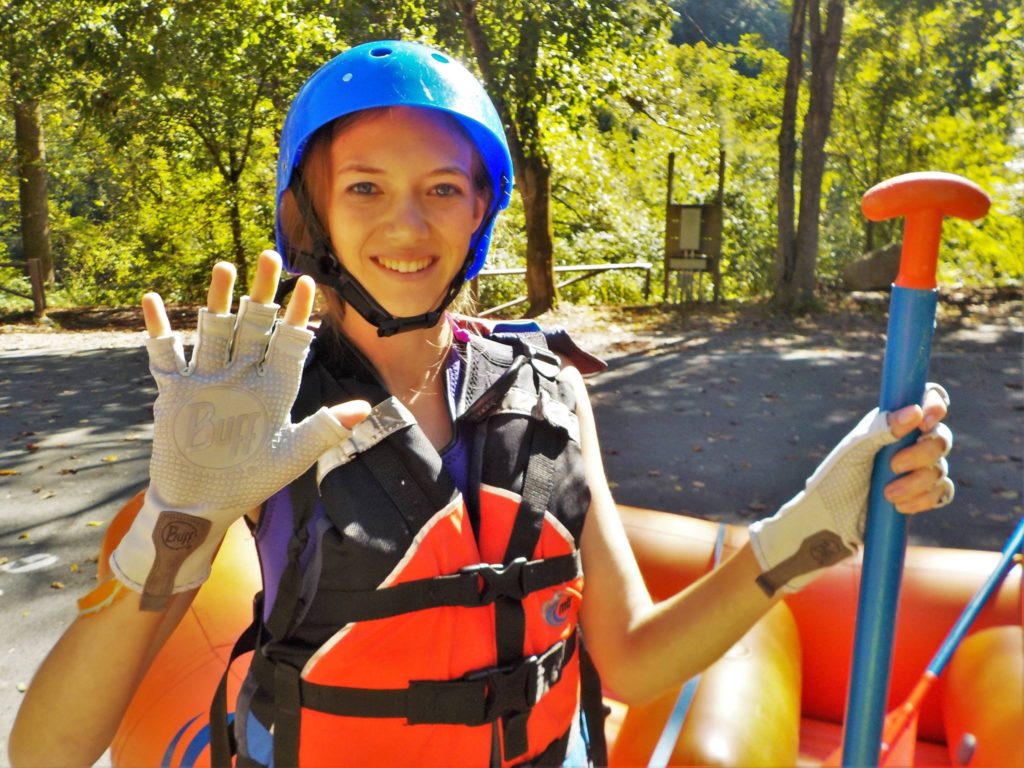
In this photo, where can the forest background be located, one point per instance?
(140, 137)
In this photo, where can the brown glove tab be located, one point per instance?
(175, 536)
(817, 551)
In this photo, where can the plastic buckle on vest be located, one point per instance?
(500, 580)
(544, 361)
(514, 688)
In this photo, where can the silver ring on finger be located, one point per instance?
(946, 494)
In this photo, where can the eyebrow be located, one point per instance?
(447, 170)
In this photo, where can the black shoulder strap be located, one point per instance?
(223, 745)
(495, 367)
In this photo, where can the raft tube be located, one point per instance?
(776, 698)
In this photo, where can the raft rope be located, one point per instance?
(677, 717)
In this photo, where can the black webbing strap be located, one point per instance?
(595, 712)
(223, 745)
(546, 443)
(478, 698)
(287, 712)
(397, 481)
(472, 587)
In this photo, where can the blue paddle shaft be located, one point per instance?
(904, 374)
(1014, 545)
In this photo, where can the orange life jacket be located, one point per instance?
(412, 625)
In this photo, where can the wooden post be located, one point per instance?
(668, 214)
(35, 276)
(716, 259)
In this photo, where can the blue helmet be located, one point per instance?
(393, 73)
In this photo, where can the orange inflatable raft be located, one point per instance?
(775, 699)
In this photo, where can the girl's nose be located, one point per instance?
(408, 221)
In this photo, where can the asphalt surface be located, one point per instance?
(714, 419)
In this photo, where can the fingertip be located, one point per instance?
(351, 413)
(271, 257)
(268, 275)
(300, 306)
(222, 286)
(155, 316)
(903, 421)
(225, 270)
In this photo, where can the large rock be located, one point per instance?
(874, 271)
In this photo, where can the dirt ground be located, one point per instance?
(716, 412)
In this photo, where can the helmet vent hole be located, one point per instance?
(346, 77)
(439, 57)
(380, 53)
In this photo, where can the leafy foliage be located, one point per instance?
(161, 122)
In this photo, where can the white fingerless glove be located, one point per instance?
(223, 442)
(824, 523)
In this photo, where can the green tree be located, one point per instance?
(932, 86)
(534, 60)
(215, 75)
(797, 241)
(30, 35)
(726, 21)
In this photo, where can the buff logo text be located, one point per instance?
(179, 536)
(233, 434)
(825, 551)
(221, 427)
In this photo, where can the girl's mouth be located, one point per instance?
(405, 266)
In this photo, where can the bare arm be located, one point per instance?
(80, 692)
(642, 649)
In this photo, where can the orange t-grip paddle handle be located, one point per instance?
(923, 199)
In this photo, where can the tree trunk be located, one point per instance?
(536, 193)
(235, 214)
(32, 184)
(797, 253)
(817, 125)
(529, 161)
(785, 254)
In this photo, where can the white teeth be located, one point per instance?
(405, 266)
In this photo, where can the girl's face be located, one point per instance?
(403, 205)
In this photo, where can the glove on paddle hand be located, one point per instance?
(824, 523)
(223, 442)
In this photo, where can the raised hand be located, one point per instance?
(223, 440)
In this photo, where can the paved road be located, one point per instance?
(729, 424)
(722, 422)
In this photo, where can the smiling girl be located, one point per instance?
(439, 546)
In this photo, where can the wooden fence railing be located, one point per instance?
(587, 270)
(35, 276)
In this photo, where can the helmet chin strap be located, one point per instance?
(361, 300)
(325, 267)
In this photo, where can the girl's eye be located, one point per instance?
(363, 188)
(447, 190)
